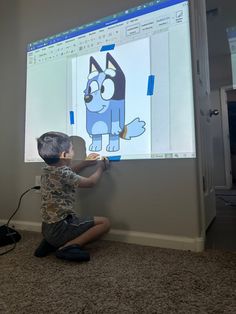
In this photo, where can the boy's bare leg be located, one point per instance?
(101, 226)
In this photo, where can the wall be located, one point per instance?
(9, 105)
(220, 71)
(158, 198)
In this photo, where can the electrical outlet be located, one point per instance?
(37, 182)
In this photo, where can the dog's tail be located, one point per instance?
(133, 129)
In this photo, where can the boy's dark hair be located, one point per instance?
(51, 145)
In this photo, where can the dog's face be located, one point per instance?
(104, 86)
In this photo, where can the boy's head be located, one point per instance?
(54, 146)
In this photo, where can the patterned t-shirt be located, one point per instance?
(58, 192)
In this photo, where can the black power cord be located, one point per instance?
(6, 226)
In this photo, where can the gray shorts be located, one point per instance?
(57, 234)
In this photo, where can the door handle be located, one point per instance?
(214, 112)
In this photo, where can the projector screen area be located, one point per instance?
(123, 84)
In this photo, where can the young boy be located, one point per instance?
(64, 230)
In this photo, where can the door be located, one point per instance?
(226, 135)
(204, 113)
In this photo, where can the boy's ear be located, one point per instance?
(63, 155)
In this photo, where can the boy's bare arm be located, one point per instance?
(83, 164)
(94, 178)
(90, 161)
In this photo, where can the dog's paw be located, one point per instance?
(95, 147)
(113, 147)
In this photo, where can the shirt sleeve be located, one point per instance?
(70, 177)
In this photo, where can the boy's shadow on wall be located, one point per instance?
(94, 201)
(79, 147)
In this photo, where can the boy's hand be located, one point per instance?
(91, 159)
(104, 163)
(93, 156)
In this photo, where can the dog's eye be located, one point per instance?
(93, 87)
(107, 89)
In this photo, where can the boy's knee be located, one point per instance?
(105, 222)
(108, 224)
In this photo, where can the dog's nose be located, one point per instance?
(88, 98)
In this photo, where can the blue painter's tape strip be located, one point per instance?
(151, 81)
(114, 158)
(72, 117)
(107, 47)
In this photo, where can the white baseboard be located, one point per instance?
(222, 187)
(157, 240)
(23, 225)
(134, 237)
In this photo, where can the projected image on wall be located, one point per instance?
(123, 84)
(110, 108)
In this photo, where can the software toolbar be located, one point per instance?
(118, 33)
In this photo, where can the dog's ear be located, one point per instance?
(111, 63)
(94, 66)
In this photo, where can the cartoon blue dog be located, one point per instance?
(105, 106)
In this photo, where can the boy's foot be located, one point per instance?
(44, 249)
(73, 253)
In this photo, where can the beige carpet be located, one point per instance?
(120, 278)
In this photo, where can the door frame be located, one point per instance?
(225, 134)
